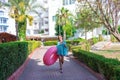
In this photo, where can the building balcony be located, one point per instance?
(4, 24)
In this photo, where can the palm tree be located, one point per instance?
(63, 19)
(19, 10)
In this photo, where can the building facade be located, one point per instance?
(40, 23)
(71, 5)
(7, 24)
(54, 5)
(3, 21)
(44, 23)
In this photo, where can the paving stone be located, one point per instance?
(36, 70)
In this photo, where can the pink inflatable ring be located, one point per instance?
(50, 56)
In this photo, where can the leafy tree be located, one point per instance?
(86, 20)
(108, 13)
(19, 10)
(59, 30)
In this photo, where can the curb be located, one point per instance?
(97, 75)
(19, 71)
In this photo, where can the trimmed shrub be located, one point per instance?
(12, 56)
(92, 41)
(50, 43)
(110, 68)
(69, 42)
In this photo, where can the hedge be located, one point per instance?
(110, 68)
(69, 42)
(12, 56)
(50, 43)
(93, 40)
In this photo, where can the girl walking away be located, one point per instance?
(61, 51)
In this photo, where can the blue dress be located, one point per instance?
(62, 49)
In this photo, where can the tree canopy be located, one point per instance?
(64, 20)
(86, 19)
(108, 11)
(19, 10)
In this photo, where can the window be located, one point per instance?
(68, 2)
(28, 32)
(72, 1)
(46, 22)
(0, 28)
(54, 18)
(5, 28)
(65, 2)
(36, 31)
(46, 30)
(0, 20)
(1, 13)
(4, 20)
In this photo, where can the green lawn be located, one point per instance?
(110, 52)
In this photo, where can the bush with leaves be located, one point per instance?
(109, 68)
(12, 56)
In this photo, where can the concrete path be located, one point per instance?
(101, 45)
(36, 70)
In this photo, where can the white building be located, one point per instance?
(7, 24)
(45, 22)
(54, 5)
(40, 23)
(71, 5)
(3, 21)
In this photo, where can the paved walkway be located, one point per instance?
(101, 45)
(36, 70)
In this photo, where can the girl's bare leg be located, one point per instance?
(62, 59)
(60, 63)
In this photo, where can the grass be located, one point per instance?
(110, 52)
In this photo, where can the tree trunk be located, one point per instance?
(114, 33)
(22, 30)
(117, 36)
(16, 26)
(85, 34)
(16, 22)
(64, 35)
(92, 34)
